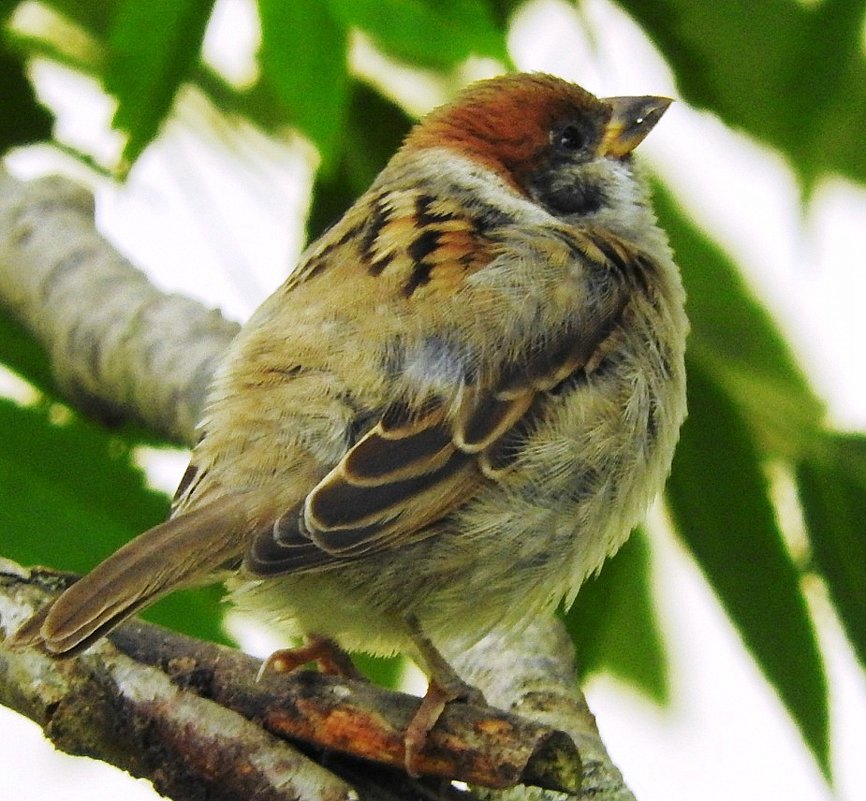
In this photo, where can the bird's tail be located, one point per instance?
(181, 552)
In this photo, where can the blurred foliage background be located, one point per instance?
(789, 74)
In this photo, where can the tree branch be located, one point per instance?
(104, 327)
(104, 705)
(532, 673)
(119, 348)
(121, 686)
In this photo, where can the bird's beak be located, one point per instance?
(631, 119)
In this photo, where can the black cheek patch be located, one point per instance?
(565, 199)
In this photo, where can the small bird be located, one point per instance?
(454, 409)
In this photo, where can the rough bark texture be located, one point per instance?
(163, 705)
(119, 347)
(105, 705)
(533, 674)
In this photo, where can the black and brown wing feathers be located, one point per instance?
(402, 475)
(419, 463)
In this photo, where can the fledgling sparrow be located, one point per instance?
(459, 403)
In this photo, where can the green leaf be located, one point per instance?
(20, 352)
(734, 338)
(93, 16)
(433, 33)
(153, 47)
(793, 74)
(303, 58)
(6, 9)
(70, 493)
(833, 497)
(383, 670)
(503, 10)
(257, 103)
(24, 118)
(198, 613)
(379, 127)
(613, 622)
(718, 497)
(70, 496)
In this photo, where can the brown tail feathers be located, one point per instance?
(181, 552)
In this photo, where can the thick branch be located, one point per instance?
(102, 692)
(105, 705)
(119, 347)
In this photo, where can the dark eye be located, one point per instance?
(569, 138)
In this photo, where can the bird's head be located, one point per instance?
(549, 139)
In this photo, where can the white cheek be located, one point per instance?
(626, 190)
(486, 185)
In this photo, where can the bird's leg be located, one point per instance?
(444, 687)
(324, 651)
